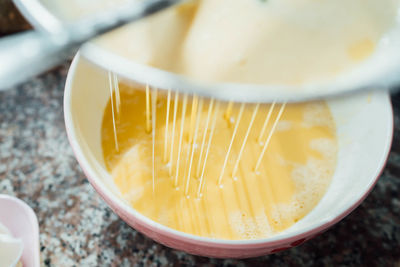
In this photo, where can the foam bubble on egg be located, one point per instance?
(283, 126)
(327, 147)
(250, 227)
(311, 180)
(131, 171)
(315, 115)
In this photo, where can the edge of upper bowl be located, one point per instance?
(279, 239)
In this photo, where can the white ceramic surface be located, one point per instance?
(380, 70)
(21, 221)
(364, 130)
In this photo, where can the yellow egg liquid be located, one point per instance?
(294, 173)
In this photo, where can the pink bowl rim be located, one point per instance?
(280, 238)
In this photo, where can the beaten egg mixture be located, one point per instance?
(295, 171)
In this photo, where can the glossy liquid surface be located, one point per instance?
(293, 176)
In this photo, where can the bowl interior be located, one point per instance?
(364, 130)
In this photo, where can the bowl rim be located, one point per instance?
(280, 238)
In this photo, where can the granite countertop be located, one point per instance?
(11, 21)
(78, 229)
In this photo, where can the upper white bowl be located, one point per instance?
(380, 71)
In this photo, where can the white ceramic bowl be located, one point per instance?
(21, 220)
(364, 130)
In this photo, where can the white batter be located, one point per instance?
(254, 41)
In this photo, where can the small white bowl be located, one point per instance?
(20, 219)
(364, 131)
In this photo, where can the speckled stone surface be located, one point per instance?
(11, 21)
(78, 229)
